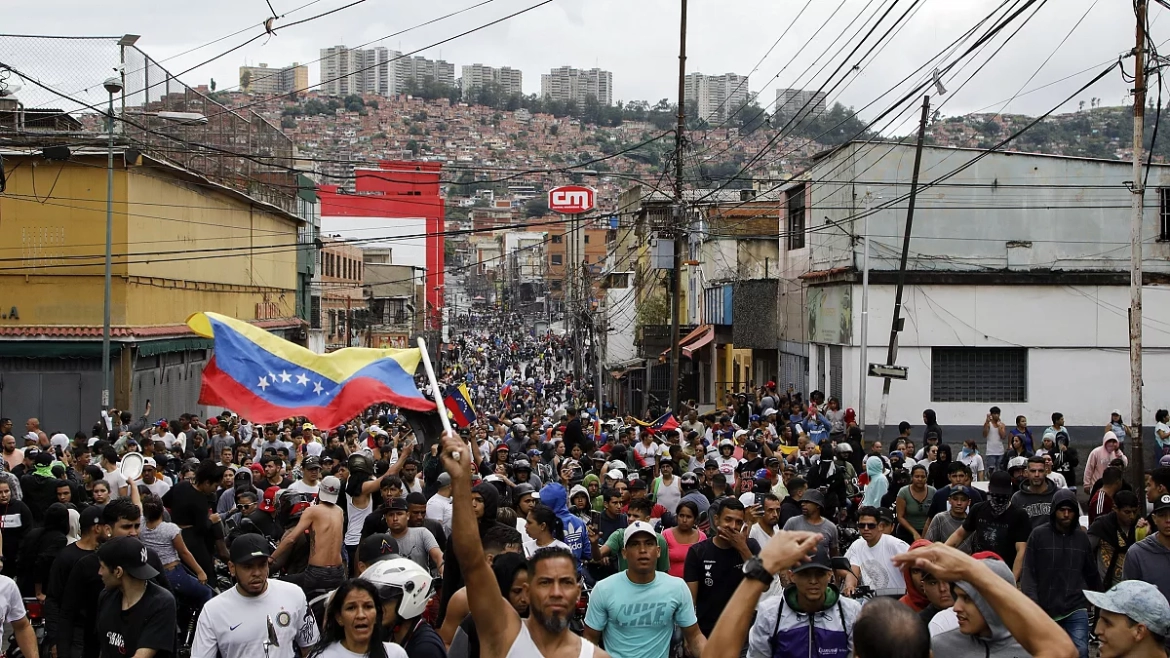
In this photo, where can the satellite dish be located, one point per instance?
(131, 466)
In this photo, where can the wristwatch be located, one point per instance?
(754, 568)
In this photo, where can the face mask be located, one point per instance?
(999, 504)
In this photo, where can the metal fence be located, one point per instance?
(236, 148)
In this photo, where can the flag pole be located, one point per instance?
(440, 407)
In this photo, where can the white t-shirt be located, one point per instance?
(648, 453)
(236, 626)
(876, 564)
(13, 604)
(943, 621)
(439, 509)
(116, 481)
(335, 650)
(300, 486)
(159, 487)
(530, 547)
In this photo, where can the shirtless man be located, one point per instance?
(325, 524)
(553, 589)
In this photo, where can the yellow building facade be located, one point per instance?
(181, 244)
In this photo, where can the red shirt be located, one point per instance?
(1100, 504)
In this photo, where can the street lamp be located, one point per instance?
(113, 86)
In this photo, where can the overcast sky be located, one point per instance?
(635, 39)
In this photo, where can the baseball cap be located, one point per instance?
(90, 516)
(128, 553)
(377, 547)
(1017, 462)
(1001, 485)
(1138, 600)
(638, 485)
(814, 496)
(960, 491)
(710, 463)
(615, 474)
(396, 505)
(268, 503)
(149, 461)
(636, 528)
(444, 479)
(44, 458)
(1164, 460)
(752, 446)
(1117, 412)
(689, 478)
(819, 560)
(308, 426)
(311, 462)
(1162, 503)
(330, 489)
(249, 547)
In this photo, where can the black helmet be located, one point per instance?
(359, 463)
(521, 490)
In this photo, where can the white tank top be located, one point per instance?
(524, 647)
(357, 518)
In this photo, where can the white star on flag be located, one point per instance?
(302, 379)
(285, 377)
(317, 388)
(271, 378)
(263, 383)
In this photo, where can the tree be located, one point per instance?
(242, 83)
(554, 129)
(288, 122)
(536, 207)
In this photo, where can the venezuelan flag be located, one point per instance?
(458, 401)
(665, 423)
(265, 378)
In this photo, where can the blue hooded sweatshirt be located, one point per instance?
(553, 496)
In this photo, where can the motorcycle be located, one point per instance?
(577, 622)
(36, 617)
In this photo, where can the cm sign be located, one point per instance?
(571, 199)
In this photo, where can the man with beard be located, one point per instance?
(13, 456)
(1059, 565)
(240, 622)
(1036, 492)
(553, 588)
(997, 524)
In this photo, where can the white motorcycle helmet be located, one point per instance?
(403, 574)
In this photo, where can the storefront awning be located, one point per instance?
(694, 341)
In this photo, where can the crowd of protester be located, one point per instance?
(551, 526)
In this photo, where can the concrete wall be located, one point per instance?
(1077, 358)
(1009, 211)
(54, 251)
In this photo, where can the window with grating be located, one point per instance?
(979, 374)
(315, 311)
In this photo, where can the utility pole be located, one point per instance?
(864, 370)
(680, 215)
(1136, 458)
(896, 324)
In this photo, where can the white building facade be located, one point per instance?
(1016, 290)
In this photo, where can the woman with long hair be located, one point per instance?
(1018, 449)
(353, 625)
(970, 456)
(544, 529)
(912, 504)
(682, 536)
(166, 539)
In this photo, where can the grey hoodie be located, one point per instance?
(1149, 560)
(1037, 505)
(1001, 644)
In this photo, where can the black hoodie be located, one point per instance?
(1059, 566)
(452, 573)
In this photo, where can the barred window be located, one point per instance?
(979, 374)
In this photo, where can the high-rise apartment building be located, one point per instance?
(420, 69)
(263, 80)
(347, 71)
(790, 102)
(566, 84)
(717, 96)
(475, 76)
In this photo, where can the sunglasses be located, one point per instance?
(866, 526)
